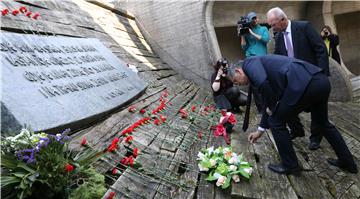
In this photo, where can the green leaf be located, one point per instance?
(8, 161)
(24, 166)
(222, 169)
(211, 176)
(227, 182)
(7, 180)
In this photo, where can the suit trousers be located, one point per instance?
(315, 100)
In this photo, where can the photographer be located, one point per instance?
(226, 95)
(331, 42)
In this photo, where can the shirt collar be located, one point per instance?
(288, 28)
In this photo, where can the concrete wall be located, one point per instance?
(175, 31)
(191, 35)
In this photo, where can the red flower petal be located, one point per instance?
(36, 15)
(200, 135)
(111, 195)
(115, 171)
(83, 141)
(15, 12)
(193, 108)
(69, 167)
(23, 9)
(142, 111)
(28, 14)
(135, 152)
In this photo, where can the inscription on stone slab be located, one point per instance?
(50, 81)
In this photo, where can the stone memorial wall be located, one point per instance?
(50, 81)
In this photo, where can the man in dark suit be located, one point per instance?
(300, 40)
(308, 89)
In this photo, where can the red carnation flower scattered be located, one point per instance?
(193, 108)
(183, 113)
(113, 145)
(135, 152)
(111, 195)
(69, 167)
(36, 15)
(163, 118)
(15, 12)
(131, 161)
(223, 112)
(28, 14)
(232, 119)
(142, 111)
(132, 109)
(23, 9)
(156, 121)
(83, 142)
(5, 12)
(127, 161)
(115, 171)
(220, 130)
(200, 135)
(206, 109)
(129, 139)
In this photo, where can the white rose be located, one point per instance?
(212, 162)
(225, 150)
(221, 180)
(201, 156)
(248, 170)
(201, 168)
(233, 168)
(217, 151)
(233, 160)
(236, 178)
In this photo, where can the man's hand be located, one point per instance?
(254, 136)
(220, 71)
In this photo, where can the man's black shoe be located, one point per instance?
(314, 146)
(282, 170)
(335, 162)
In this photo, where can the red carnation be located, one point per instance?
(156, 121)
(83, 142)
(15, 12)
(132, 109)
(113, 145)
(142, 111)
(131, 161)
(111, 195)
(28, 14)
(223, 112)
(69, 167)
(129, 139)
(206, 109)
(115, 171)
(5, 12)
(135, 152)
(232, 119)
(193, 108)
(220, 130)
(36, 15)
(23, 9)
(163, 118)
(200, 135)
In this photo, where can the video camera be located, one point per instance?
(243, 26)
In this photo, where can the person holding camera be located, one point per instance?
(254, 39)
(331, 42)
(226, 95)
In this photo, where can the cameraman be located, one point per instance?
(226, 95)
(254, 43)
(331, 42)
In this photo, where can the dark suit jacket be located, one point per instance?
(279, 77)
(307, 43)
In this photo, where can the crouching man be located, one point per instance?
(288, 87)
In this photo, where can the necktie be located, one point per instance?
(247, 111)
(290, 50)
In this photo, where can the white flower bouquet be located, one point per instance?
(223, 165)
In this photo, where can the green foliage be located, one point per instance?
(34, 166)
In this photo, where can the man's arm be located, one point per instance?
(319, 47)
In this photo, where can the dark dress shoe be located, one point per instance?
(277, 168)
(314, 146)
(335, 162)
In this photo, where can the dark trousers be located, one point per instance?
(230, 99)
(315, 100)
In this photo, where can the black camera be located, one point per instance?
(225, 65)
(243, 26)
(326, 33)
